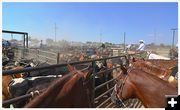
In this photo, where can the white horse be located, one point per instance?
(155, 56)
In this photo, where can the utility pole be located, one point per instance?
(101, 50)
(124, 41)
(155, 35)
(173, 29)
(55, 28)
(100, 37)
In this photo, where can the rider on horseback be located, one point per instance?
(141, 47)
(140, 51)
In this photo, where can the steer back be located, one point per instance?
(72, 90)
(21, 86)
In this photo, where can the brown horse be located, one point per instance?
(149, 89)
(155, 69)
(6, 79)
(167, 64)
(72, 90)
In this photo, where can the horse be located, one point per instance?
(163, 73)
(148, 67)
(149, 89)
(151, 55)
(168, 64)
(72, 90)
(147, 55)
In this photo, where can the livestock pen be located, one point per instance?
(101, 100)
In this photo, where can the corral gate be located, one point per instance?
(99, 97)
(25, 52)
(25, 36)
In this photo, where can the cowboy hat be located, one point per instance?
(141, 41)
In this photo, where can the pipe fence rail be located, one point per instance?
(106, 84)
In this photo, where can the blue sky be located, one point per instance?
(85, 21)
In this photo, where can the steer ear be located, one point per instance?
(70, 68)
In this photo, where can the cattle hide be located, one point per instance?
(20, 86)
(51, 71)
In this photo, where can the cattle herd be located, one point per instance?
(72, 85)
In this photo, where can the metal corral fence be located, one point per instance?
(39, 55)
(117, 51)
(103, 100)
(49, 57)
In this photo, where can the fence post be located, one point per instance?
(22, 53)
(38, 53)
(106, 74)
(93, 82)
(58, 58)
(127, 59)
